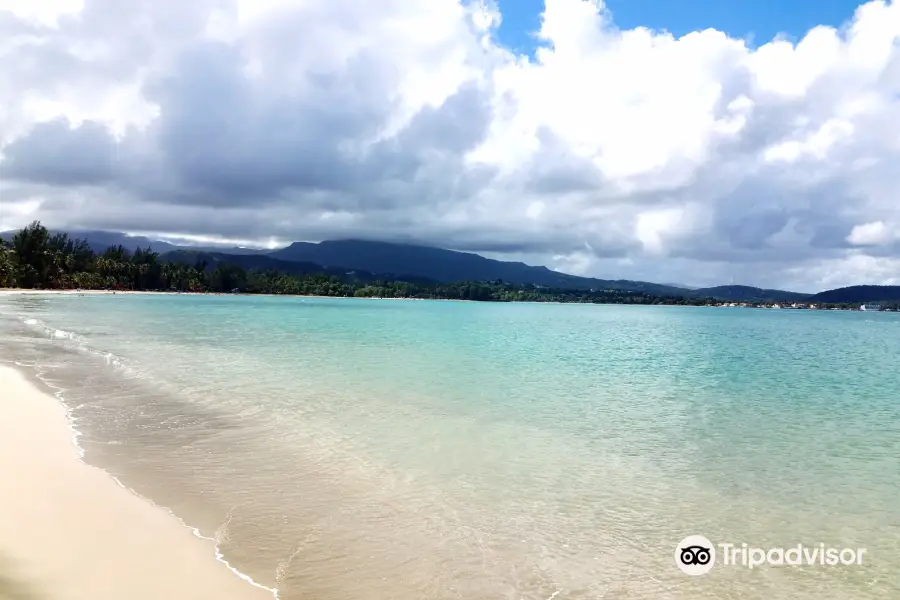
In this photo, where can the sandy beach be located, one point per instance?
(68, 531)
(21, 291)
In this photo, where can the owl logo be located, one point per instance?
(695, 555)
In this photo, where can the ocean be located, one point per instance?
(380, 449)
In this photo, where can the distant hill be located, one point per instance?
(859, 294)
(448, 265)
(99, 241)
(745, 293)
(370, 260)
(233, 250)
(398, 261)
(247, 261)
(680, 285)
(265, 262)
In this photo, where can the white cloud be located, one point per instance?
(42, 12)
(854, 269)
(654, 227)
(875, 233)
(619, 153)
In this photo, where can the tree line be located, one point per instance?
(33, 258)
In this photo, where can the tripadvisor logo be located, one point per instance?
(696, 555)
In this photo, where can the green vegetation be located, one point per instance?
(36, 259)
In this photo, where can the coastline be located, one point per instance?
(720, 304)
(70, 531)
(32, 292)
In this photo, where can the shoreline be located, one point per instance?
(67, 292)
(723, 304)
(71, 531)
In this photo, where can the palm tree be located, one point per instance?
(8, 267)
(31, 246)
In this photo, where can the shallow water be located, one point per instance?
(387, 449)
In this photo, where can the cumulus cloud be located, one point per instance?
(875, 233)
(610, 152)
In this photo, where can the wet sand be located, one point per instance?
(68, 531)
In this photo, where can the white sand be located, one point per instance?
(19, 291)
(69, 532)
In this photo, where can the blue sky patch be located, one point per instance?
(756, 20)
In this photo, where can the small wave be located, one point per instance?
(285, 564)
(71, 419)
(222, 534)
(79, 343)
(60, 334)
(58, 393)
(216, 545)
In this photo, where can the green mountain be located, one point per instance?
(449, 266)
(361, 260)
(859, 294)
(745, 293)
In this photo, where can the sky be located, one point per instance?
(756, 21)
(682, 142)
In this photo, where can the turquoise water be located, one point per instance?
(414, 449)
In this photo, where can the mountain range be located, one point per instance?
(369, 260)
